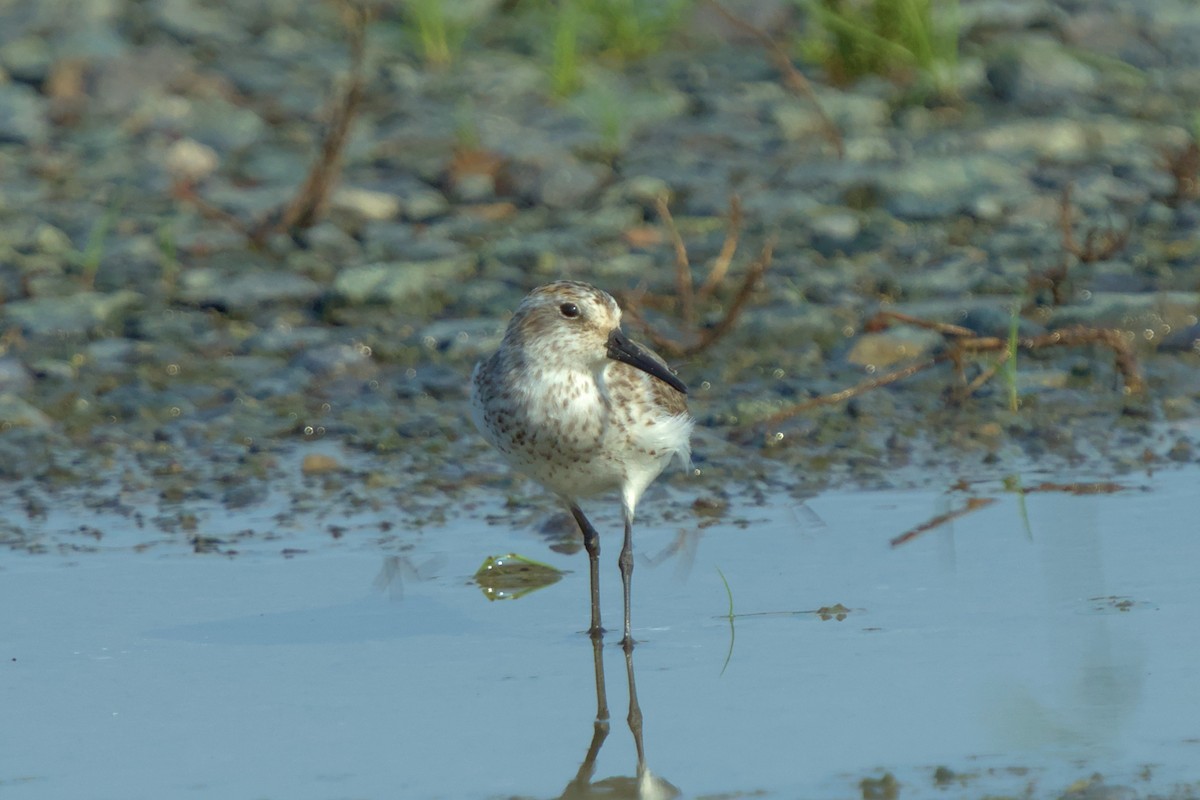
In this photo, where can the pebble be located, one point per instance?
(74, 315)
(14, 377)
(244, 291)
(367, 203)
(319, 464)
(15, 412)
(23, 117)
(190, 161)
(892, 347)
(397, 282)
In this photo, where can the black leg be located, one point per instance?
(625, 562)
(591, 543)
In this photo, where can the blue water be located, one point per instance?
(1024, 646)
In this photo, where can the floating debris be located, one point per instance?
(511, 576)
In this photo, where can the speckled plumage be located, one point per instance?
(577, 407)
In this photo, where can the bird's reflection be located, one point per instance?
(644, 785)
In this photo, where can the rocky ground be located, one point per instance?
(150, 357)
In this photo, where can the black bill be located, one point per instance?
(621, 349)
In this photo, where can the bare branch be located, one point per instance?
(962, 342)
(793, 79)
(720, 266)
(756, 270)
(683, 269)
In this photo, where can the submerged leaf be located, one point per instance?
(511, 576)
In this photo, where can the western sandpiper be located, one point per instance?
(575, 405)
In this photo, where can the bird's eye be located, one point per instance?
(569, 310)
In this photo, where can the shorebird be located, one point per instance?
(573, 403)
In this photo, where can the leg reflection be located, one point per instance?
(646, 785)
(581, 784)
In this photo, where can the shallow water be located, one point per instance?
(1029, 644)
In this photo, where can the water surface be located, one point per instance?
(1028, 645)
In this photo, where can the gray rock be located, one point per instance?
(14, 377)
(22, 115)
(568, 183)
(799, 120)
(949, 277)
(137, 82)
(15, 412)
(76, 314)
(421, 203)
(216, 289)
(224, 126)
(195, 21)
(334, 359)
(988, 17)
(385, 241)
(27, 58)
(933, 188)
(893, 346)
(328, 246)
(469, 338)
(1185, 340)
(1041, 73)
(397, 282)
(367, 203)
(110, 353)
(1149, 316)
(288, 339)
(130, 261)
(833, 233)
(994, 320)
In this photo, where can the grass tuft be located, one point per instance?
(433, 31)
(92, 254)
(903, 40)
(1010, 362)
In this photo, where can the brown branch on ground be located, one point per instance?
(961, 344)
(716, 275)
(697, 338)
(1098, 244)
(683, 268)
(311, 199)
(1184, 167)
(793, 79)
(854, 391)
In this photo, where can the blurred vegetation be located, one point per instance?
(616, 31)
(912, 41)
(438, 28)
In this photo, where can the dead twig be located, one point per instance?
(1184, 168)
(883, 320)
(962, 343)
(311, 199)
(1098, 244)
(720, 266)
(793, 79)
(854, 391)
(756, 270)
(698, 338)
(683, 269)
